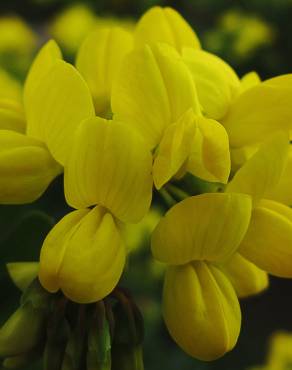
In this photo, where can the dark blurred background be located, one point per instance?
(250, 35)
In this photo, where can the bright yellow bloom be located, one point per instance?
(246, 278)
(83, 255)
(109, 166)
(156, 95)
(26, 168)
(216, 82)
(267, 242)
(259, 112)
(56, 106)
(170, 28)
(200, 305)
(56, 100)
(99, 60)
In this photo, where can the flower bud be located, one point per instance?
(99, 340)
(26, 168)
(128, 335)
(22, 331)
(89, 273)
(25, 329)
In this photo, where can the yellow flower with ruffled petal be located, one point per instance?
(56, 100)
(109, 167)
(200, 306)
(156, 95)
(259, 111)
(267, 242)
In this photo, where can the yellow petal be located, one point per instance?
(23, 273)
(249, 80)
(43, 62)
(241, 155)
(260, 111)
(210, 156)
(26, 168)
(57, 106)
(11, 116)
(268, 240)
(246, 277)
(170, 28)
(282, 192)
(201, 310)
(83, 256)
(174, 148)
(99, 60)
(216, 81)
(153, 89)
(109, 165)
(263, 170)
(196, 228)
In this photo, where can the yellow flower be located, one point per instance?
(267, 242)
(56, 100)
(99, 59)
(259, 111)
(83, 255)
(156, 95)
(217, 83)
(200, 305)
(109, 167)
(170, 28)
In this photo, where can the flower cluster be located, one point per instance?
(150, 111)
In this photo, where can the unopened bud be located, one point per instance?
(25, 329)
(57, 335)
(20, 361)
(73, 358)
(128, 336)
(99, 340)
(22, 331)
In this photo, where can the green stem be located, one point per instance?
(168, 200)
(176, 192)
